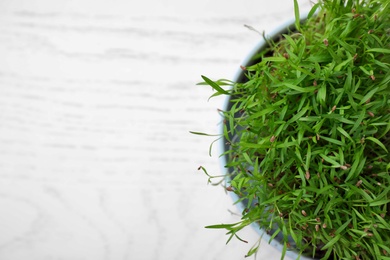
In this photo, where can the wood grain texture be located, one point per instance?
(97, 99)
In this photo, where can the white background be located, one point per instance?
(97, 99)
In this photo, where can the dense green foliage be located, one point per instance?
(309, 134)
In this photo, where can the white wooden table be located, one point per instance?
(97, 99)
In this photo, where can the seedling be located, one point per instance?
(307, 134)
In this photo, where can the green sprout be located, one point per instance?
(307, 134)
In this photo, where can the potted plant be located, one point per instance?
(306, 134)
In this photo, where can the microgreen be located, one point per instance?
(307, 134)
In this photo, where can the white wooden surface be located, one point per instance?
(97, 99)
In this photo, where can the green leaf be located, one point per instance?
(330, 160)
(199, 133)
(275, 59)
(321, 95)
(313, 10)
(308, 156)
(382, 221)
(373, 139)
(341, 65)
(310, 118)
(300, 89)
(284, 250)
(378, 203)
(297, 15)
(239, 238)
(359, 160)
(298, 115)
(331, 242)
(290, 41)
(287, 144)
(368, 73)
(220, 226)
(359, 215)
(344, 120)
(272, 200)
(319, 58)
(344, 133)
(342, 228)
(326, 188)
(368, 95)
(215, 86)
(253, 250)
(380, 50)
(331, 140)
(262, 112)
(247, 158)
(357, 123)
